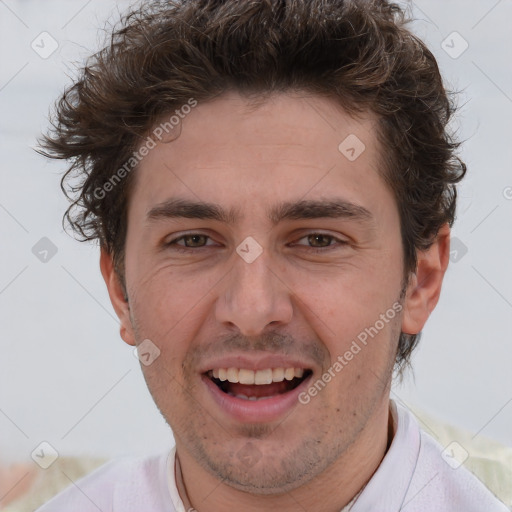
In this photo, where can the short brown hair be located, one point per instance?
(358, 53)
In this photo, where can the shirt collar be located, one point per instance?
(171, 478)
(398, 466)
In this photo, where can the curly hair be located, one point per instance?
(358, 53)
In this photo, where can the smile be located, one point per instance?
(250, 396)
(259, 384)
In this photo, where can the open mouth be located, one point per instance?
(257, 384)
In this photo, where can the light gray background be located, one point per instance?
(67, 378)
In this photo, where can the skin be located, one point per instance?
(290, 300)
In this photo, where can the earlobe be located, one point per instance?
(117, 297)
(424, 286)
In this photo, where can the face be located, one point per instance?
(259, 302)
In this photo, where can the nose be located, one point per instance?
(254, 295)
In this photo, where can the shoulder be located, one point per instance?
(125, 484)
(441, 482)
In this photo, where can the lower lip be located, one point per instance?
(255, 411)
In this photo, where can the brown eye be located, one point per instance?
(189, 241)
(321, 242)
(195, 240)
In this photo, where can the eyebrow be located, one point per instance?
(299, 210)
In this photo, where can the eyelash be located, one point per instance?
(316, 250)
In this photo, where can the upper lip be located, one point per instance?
(262, 362)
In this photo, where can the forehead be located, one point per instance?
(288, 147)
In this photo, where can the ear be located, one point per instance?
(424, 287)
(117, 297)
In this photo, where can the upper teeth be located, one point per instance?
(267, 376)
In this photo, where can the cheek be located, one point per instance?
(165, 294)
(358, 323)
(168, 307)
(344, 302)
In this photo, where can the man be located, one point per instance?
(272, 187)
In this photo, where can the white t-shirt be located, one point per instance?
(413, 477)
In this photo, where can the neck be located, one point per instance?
(348, 475)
